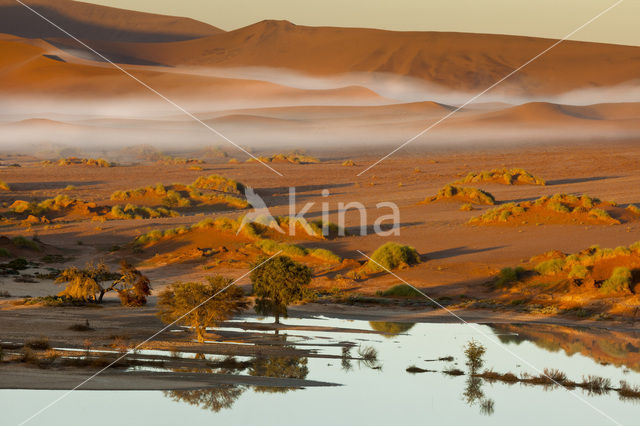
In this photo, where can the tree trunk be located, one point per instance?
(200, 334)
(102, 292)
(277, 318)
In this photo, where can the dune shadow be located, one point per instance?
(458, 251)
(578, 180)
(30, 186)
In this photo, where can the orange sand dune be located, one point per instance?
(545, 112)
(92, 22)
(26, 71)
(455, 60)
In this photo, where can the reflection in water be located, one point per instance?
(283, 367)
(391, 329)
(473, 394)
(280, 367)
(213, 399)
(346, 358)
(604, 346)
(600, 345)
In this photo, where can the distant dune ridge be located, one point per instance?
(277, 82)
(94, 22)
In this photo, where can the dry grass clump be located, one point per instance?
(253, 231)
(205, 189)
(158, 191)
(609, 271)
(493, 376)
(391, 256)
(506, 176)
(633, 209)
(292, 157)
(595, 384)
(628, 391)
(466, 207)
(270, 246)
(131, 211)
(452, 371)
(348, 163)
(169, 160)
(469, 195)
(219, 183)
(71, 161)
(63, 205)
(4, 186)
(559, 208)
(59, 203)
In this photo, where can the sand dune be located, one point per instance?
(455, 60)
(26, 70)
(93, 22)
(274, 82)
(550, 113)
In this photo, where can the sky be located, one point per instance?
(539, 18)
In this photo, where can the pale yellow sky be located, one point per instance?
(542, 18)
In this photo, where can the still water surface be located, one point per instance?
(385, 395)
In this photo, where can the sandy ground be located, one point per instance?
(457, 258)
(26, 378)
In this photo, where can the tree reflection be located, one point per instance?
(213, 399)
(391, 329)
(473, 393)
(282, 367)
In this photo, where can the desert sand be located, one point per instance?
(339, 94)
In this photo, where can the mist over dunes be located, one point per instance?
(275, 82)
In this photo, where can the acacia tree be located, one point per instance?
(277, 283)
(87, 284)
(183, 302)
(133, 287)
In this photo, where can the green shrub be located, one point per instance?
(324, 254)
(506, 176)
(391, 256)
(619, 281)
(507, 276)
(473, 195)
(219, 183)
(400, 290)
(600, 214)
(557, 207)
(23, 242)
(578, 271)
(550, 267)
